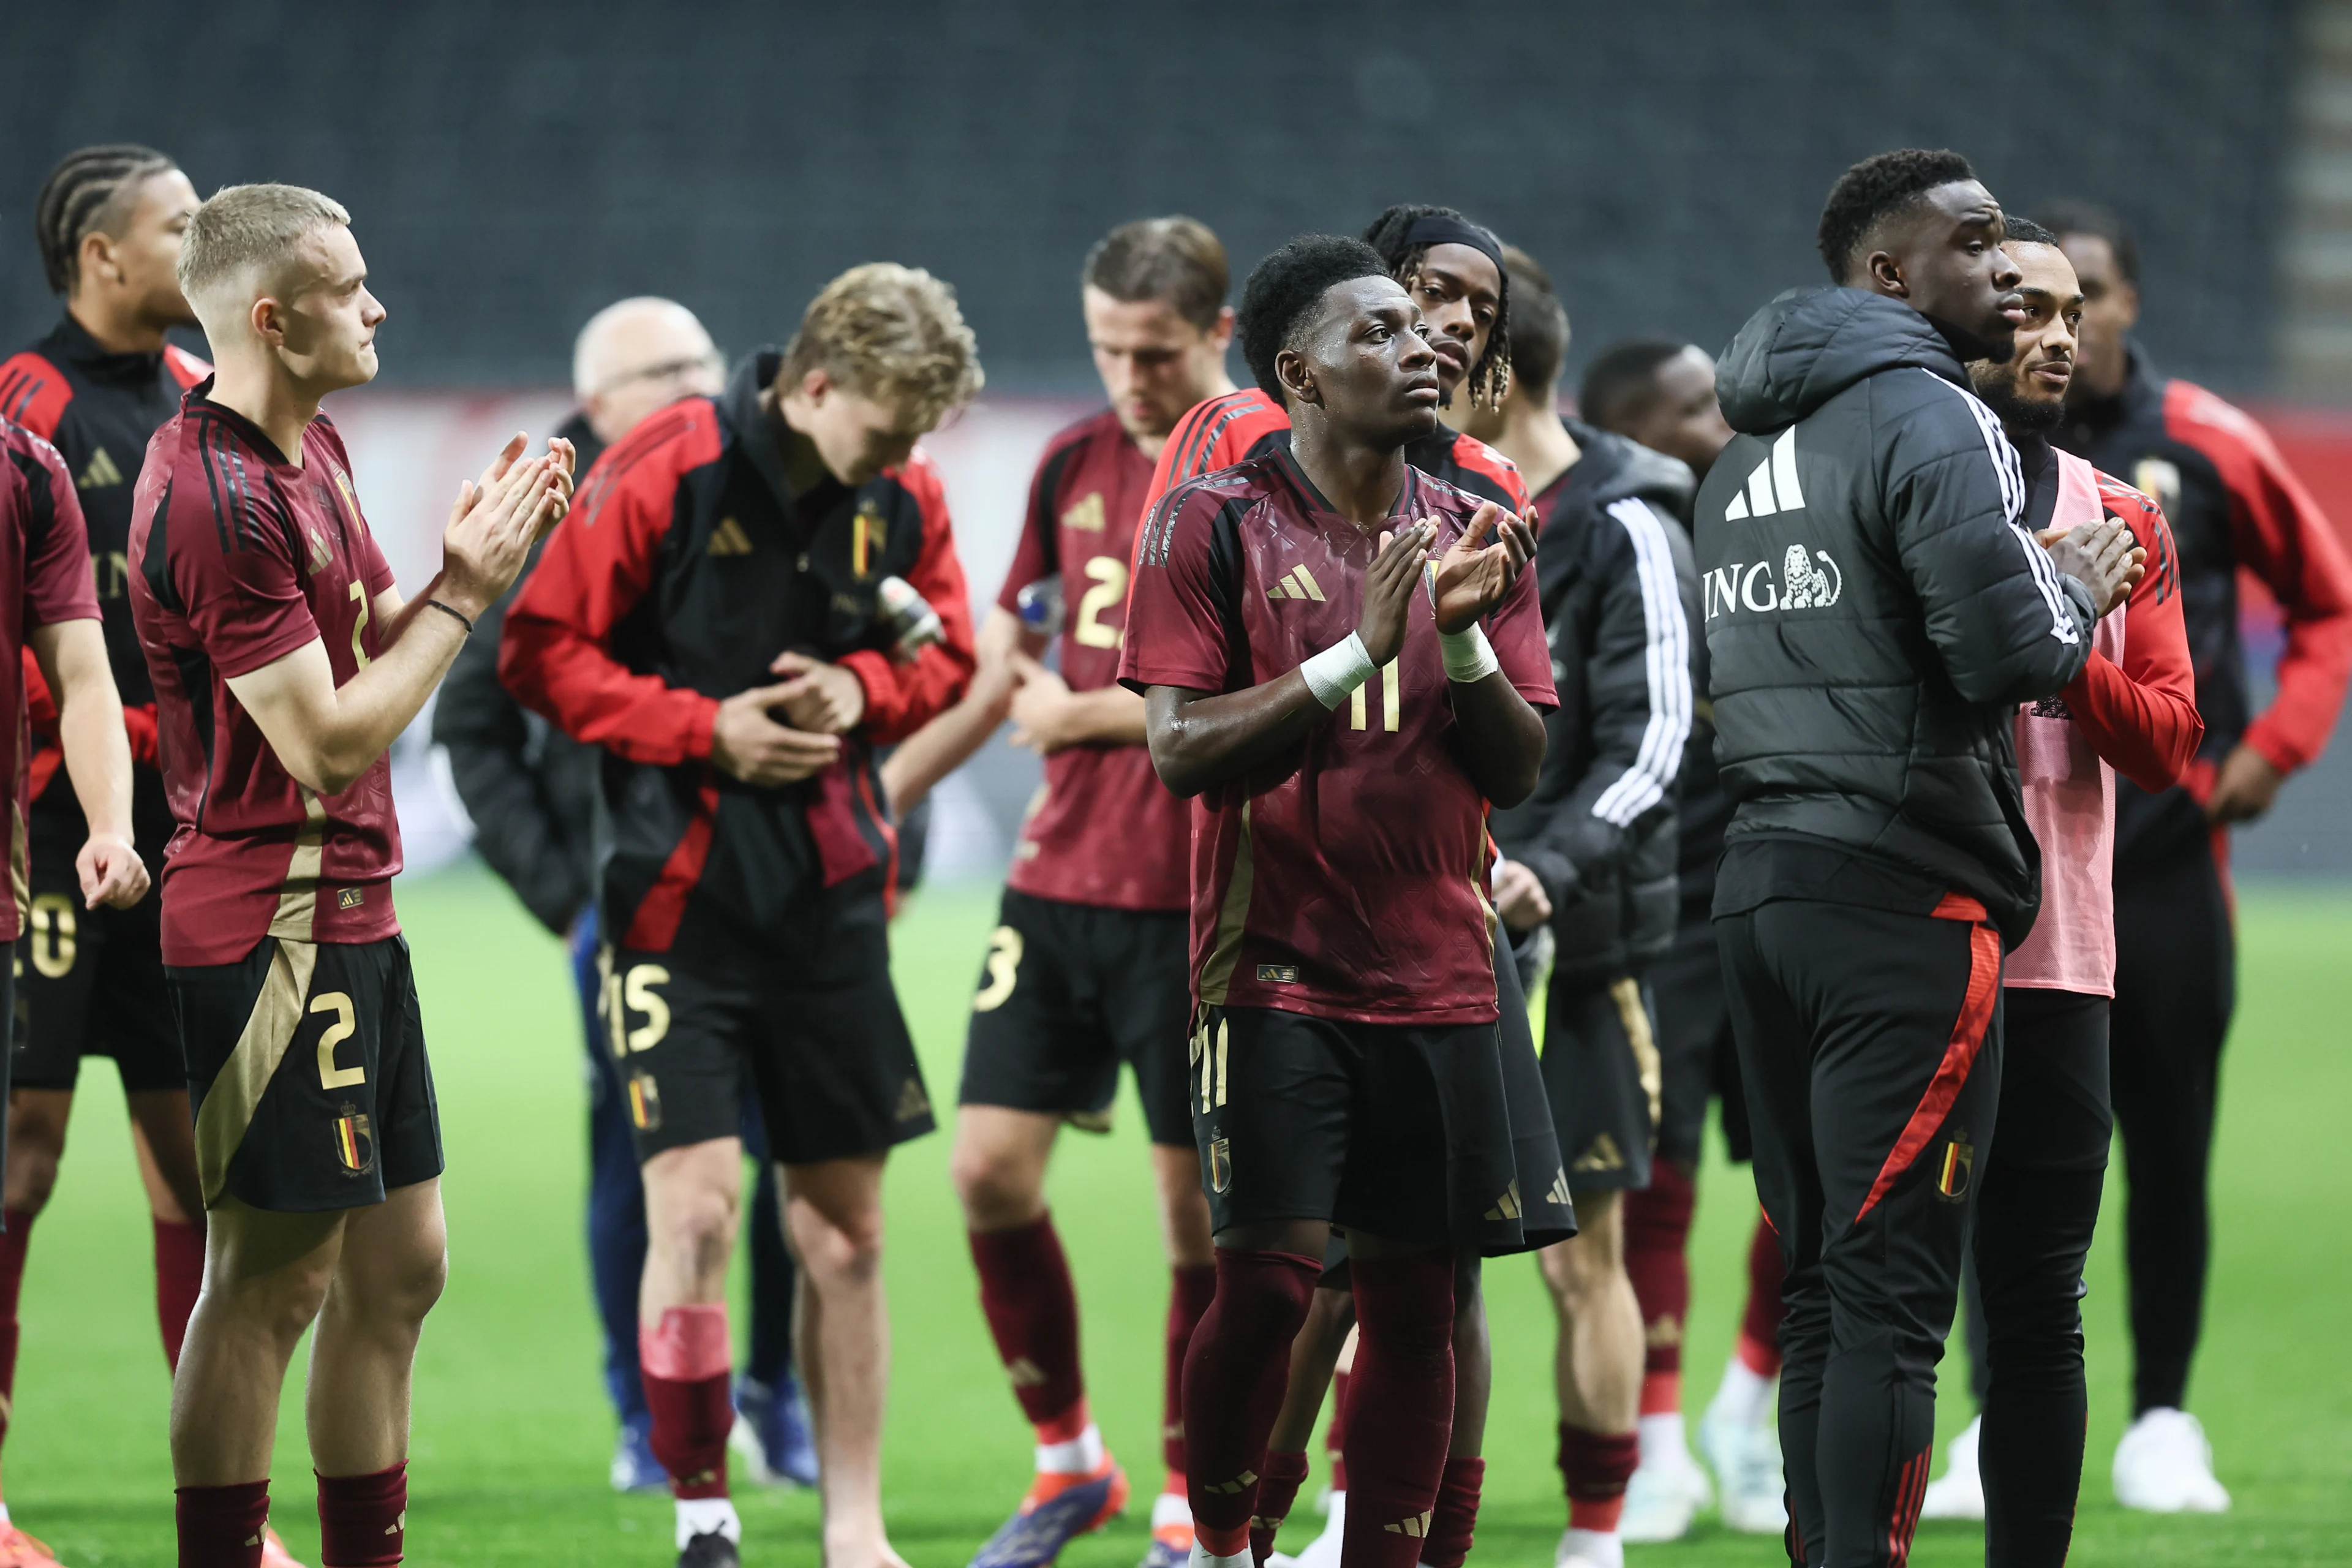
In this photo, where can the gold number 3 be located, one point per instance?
(1004, 946)
(346, 1024)
(1109, 592)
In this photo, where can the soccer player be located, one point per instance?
(1086, 968)
(746, 894)
(2133, 709)
(1661, 393)
(530, 791)
(1348, 1064)
(109, 221)
(2233, 505)
(48, 609)
(1875, 612)
(1591, 860)
(285, 662)
(1454, 269)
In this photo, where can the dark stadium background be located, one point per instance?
(511, 167)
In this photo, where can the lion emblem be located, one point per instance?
(1805, 586)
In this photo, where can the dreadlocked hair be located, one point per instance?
(91, 192)
(1490, 378)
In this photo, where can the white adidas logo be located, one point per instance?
(1773, 485)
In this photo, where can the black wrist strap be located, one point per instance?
(445, 610)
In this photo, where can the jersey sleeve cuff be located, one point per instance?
(702, 720)
(880, 684)
(2264, 739)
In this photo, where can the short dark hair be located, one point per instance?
(1286, 286)
(2025, 231)
(1490, 378)
(85, 194)
(2070, 217)
(1539, 327)
(1176, 260)
(1875, 190)
(1623, 381)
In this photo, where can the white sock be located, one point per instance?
(1662, 1440)
(702, 1515)
(1599, 1547)
(4, 1514)
(1081, 1455)
(1743, 1397)
(1205, 1558)
(1171, 1508)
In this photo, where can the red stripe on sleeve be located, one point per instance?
(33, 394)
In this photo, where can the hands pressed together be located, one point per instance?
(497, 520)
(820, 703)
(1467, 583)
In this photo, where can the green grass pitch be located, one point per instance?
(512, 1435)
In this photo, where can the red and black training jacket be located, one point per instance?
(2231, 501)
(98, 408)
(686, 566)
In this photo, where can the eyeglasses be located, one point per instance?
(668, 370)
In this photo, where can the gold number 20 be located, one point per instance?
(1109, 592)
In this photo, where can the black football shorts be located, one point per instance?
(307, 1075)
(1401, 1131)
(1067, 993)
(92, 985)
(1601, 1071)
(811, 1027)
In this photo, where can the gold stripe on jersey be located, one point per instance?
(20, 871)
(236, 1089)
(298, 900)
(1217, 973)
(1627, 995)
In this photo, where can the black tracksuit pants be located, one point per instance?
(2175, 985)
(2037, 1204)
(1870, 1047)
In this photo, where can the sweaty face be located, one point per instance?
(328, 320)
(2029, 389)
(1459, 293)
(1153, 362)
(1363, 362)
(1681, 416)
(2110, 306)
(148, 251)
(856, 435)
(1946, 252)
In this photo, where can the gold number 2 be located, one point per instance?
(346, 1023)
(359, 598)
(1109, 592)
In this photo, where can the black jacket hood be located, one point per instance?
(1613, 468)
(1810, 345)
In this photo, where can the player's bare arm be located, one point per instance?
(1199, 739)
(326, 735)
(72, 655)
(1503, 738)
(1048, 716)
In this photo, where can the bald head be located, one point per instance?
(637, 356)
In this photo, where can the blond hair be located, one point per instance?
(245, 237)
(890, 333)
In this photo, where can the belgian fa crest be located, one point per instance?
(1953, 1170)
(355, 1142)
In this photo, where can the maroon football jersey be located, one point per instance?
(1104, 829)
(1347, 879)
(237, 558)
(45, 577)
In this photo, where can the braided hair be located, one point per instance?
(91, 192)
(1490, 378)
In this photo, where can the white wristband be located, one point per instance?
(1338, 670)
(1468, 655)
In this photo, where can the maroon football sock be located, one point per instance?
(18, 1236)
(178, 1276)
(1455, 1516)
(1594, 1468)
(685, 1360)
(1192, 1287)
(1277, 1490)
(220, 1527)
(1404, 1372)
(1233, 1377)
(1033, 1313)
(1759, 1324)
(363, 1520)
(1657, 1223)
(1335, 1434)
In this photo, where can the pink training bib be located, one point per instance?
(2070, 802)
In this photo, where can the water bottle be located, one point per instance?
(907, 616)
(1040, 607)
